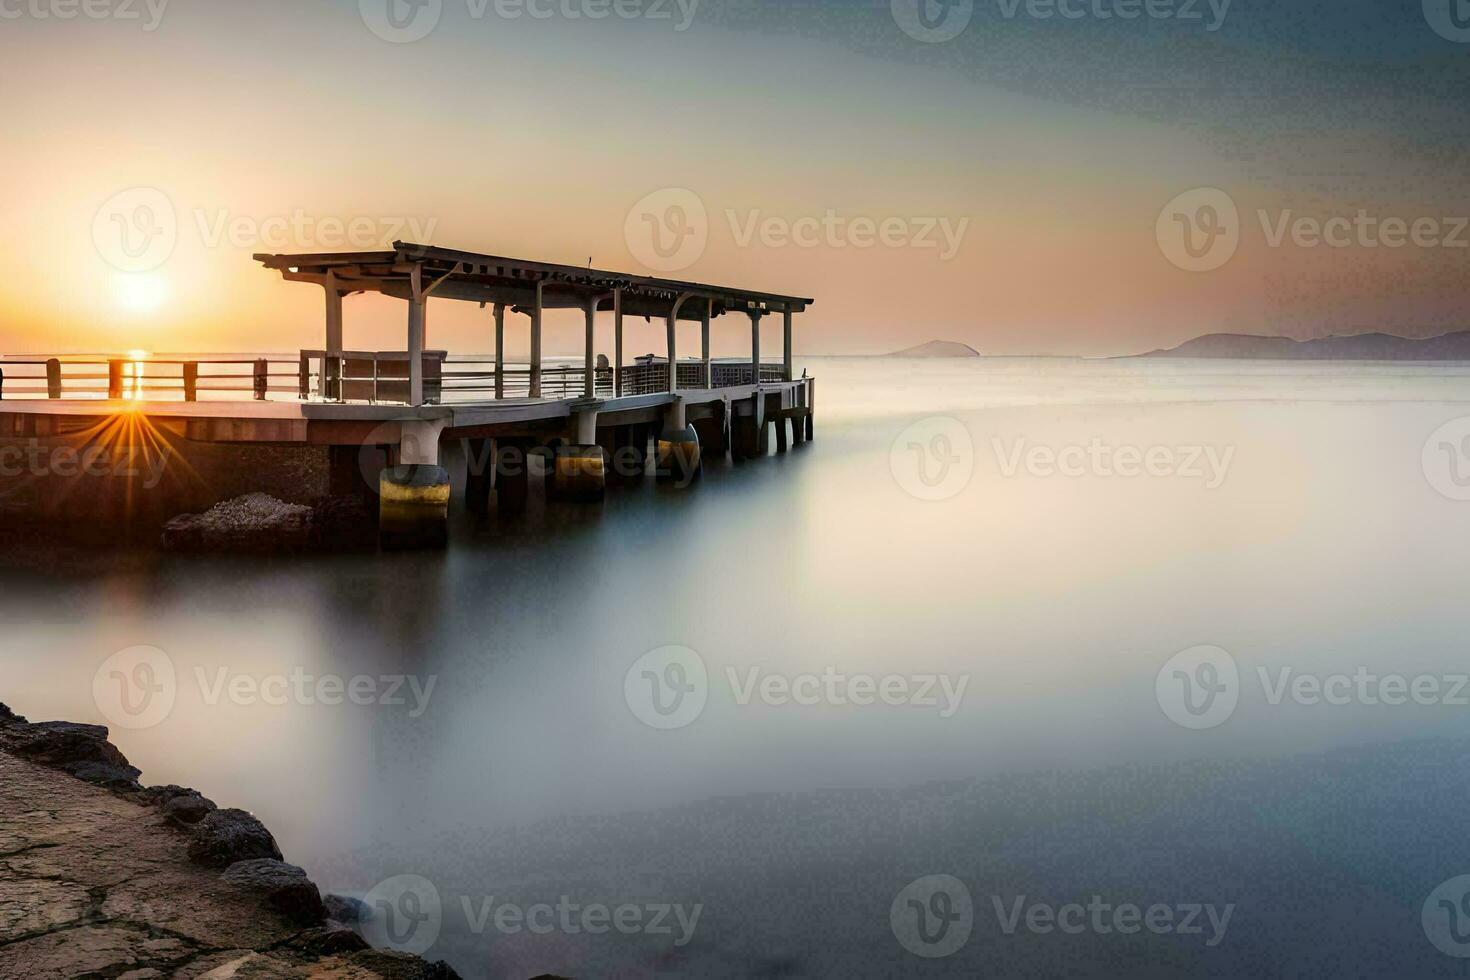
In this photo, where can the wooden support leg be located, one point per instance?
(780, 433)
(479, 474)
(512, 476)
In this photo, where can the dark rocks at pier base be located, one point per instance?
(99, 882)
(256, 523)
(226, 836)
(263, 525)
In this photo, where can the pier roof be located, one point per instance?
(496, 279)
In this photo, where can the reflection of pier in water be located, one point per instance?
(598, 421)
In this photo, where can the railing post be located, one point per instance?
(499, 350)
(755, 347)
(191, 381)
(115, 379)
(787, 364)
(618, 343)
(262, 378)
(708, 370)
(303, 377)
(53, 378)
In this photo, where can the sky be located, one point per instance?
(1088, 177)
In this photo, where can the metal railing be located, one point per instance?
(354, 376)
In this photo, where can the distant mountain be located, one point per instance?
(1361, 347)
(938, 348)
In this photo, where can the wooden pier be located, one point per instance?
(598, 422)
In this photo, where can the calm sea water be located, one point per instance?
(1025, 543)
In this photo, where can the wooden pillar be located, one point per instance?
(499, 350)
(328, 383)
(536, 343)
(617, 343)
(704, 344)
(787, 364)
(755, 346)
(512, 475)
(53, 378)
(780, 433)
(417, 314)
(589, 375)
(262, 378)
(191, 381)
(115, 379)
(673, 350)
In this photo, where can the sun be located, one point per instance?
(140, 292)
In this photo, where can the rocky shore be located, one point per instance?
(101, 877)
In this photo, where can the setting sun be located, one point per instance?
(139, 292)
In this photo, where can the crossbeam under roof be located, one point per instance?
(495, 279)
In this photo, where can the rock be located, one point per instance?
(283, 885)
(341, 908)
(331, 939)
(226, 836)
(8, 717)
(105, 774)
(187, 809)
(255, 523)
(60, 743)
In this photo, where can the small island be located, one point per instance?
(1356, 347)
(938, 348)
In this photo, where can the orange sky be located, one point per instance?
(536, 138)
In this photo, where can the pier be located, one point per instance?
(383, 416)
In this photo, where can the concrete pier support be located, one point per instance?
(580, 470)
(678, 445)
(781, 433)
(413, 496)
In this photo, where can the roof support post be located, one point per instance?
(499, 350)
(787, 367)
(536, 342)
(589, 376)
(755, 346)
(708, 371)
(418, 305)
(327, 381)
(673, 346)
(618, 343)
